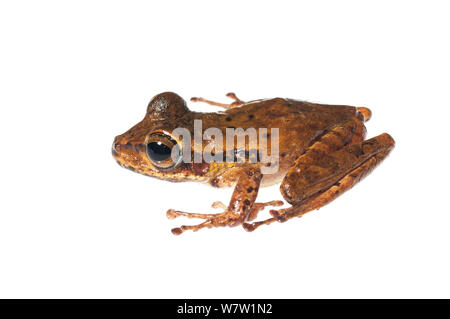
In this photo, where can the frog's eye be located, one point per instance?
(163, 151)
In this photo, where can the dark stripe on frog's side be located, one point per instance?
(222, 157)
(129, 146)
(140, 147)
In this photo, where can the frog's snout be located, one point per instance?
(117, 152)
(115, 148)
(118, 148)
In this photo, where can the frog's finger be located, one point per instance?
(172, 214)
(219, 204)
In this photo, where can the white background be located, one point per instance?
(75, 74)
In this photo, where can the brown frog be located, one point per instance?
(322, 152)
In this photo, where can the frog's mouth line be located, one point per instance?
(129, 167)
(117, 157)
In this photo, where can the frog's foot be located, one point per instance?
(321, 199)
(237, 101)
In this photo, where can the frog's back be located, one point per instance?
(300, 123)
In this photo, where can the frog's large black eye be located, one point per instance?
(157, 151)
(163, 151)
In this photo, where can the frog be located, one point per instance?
(322, 153)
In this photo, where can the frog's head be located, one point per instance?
(149, 147)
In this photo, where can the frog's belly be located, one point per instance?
(276, 178)
(269, 180)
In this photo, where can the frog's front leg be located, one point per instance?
(256, 208)
(238, 210)
(237, 101)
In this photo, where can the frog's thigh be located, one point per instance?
(374, 150)
(346, 183)
(301, 179)
(305, 181)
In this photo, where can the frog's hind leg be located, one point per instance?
(362, 158)
(237, 102)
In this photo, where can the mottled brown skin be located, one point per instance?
(322, 153)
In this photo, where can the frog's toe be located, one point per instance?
(171, 214)
(366, 112)
(219, 204)
(257, 207)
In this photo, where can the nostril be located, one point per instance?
(115, 149)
